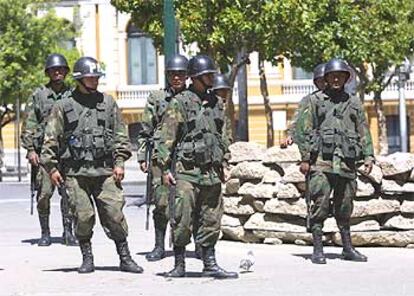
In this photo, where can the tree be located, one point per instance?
(219, 28)
(372, 36)
(25, 41)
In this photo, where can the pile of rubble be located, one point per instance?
(263, 200)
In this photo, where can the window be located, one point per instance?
(142, 57)
(299, 73)
(393, 133)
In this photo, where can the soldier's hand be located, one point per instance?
(304, 167)
(56, 178)
(286, 142)
(367, 168)
(143, 166)
(168, 179)
(33, 158)
(118, 174)
(226, 174)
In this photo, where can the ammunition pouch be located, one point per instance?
(351, 146)
(92, 144)
(328, 143)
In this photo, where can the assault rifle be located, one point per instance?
(33, 186)
(65, 197)
(171, 200)
(308, 202)
(148, 193)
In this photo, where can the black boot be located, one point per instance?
(158, 252)
(45, 240)
(318, 256)
(68, 238)
(198, 251)
(211, 268)
(179, 263)
(127, 264)
(349, 253)
(87, 257)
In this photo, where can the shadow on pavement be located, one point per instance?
(330, 256)
(190, 274)
(34, 241)
(166, 254)
(97, 268)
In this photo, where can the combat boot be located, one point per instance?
(68, 238)
(127, 264)
(45, 239)
(158, 252)
(318, 257)
(87, 257)
(211, 268)
(348, 252)
(179, 263)
(198, 251)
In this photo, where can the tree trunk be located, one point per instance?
(382, 124)
(230, 104)
(268, 109)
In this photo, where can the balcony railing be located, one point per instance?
(135, 96)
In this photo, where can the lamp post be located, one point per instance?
(170, 31)
(403, 72)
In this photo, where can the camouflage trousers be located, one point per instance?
(197, 206)
(160, 194)
(45, 193)
(106, 194)
(344, 190)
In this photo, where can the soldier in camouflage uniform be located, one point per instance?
(319, 81)
(176, 72)
(38, 109)
(85, 131)
(192, 131)
(333, 135)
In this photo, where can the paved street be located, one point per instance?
(26, 269)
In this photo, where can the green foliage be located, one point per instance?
(26, 40)
(371, 33)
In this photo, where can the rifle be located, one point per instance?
(148, 193)
(65, 198)
(33, 186)
(171, 200)
(308, 202)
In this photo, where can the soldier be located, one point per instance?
(176, 72)
(319, 82)
(38, 109)
(336, 135)
(192, 131)
(85, 131)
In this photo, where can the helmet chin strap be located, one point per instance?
(206, 87)
(88, 89)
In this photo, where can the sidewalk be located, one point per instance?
(133, 175)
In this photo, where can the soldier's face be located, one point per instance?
(336, 80)
(320, 83)
(91, 83)
(57, 74)
(223, 93)
(177, 79)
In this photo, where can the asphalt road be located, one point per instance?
(26, 269)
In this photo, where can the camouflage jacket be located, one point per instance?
(302, 104)
(85, 132)
(38, 108)
(154, 110)
(191, 124)
(332, 133)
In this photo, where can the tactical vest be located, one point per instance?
(337, 128)
(42, 111)
(202, 143)
(88, 132)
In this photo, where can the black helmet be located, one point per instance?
(319, 71)
(220, 82)
(337, 65)
(87, 67)
(200, 65)
(55, 60)
(177, 63)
